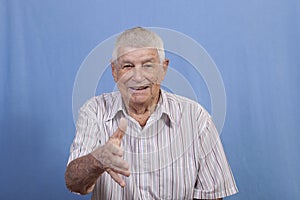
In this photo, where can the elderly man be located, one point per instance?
(142, 142)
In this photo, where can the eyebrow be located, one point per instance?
(143, 61)
(149, 60)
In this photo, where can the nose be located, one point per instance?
(138, 74)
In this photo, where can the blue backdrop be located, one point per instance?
(255, 45)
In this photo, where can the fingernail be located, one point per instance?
(123, 124)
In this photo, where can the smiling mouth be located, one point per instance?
(139, 88)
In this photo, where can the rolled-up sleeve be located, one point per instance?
(87, 130)
(214, 178)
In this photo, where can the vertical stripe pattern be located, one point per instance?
(176, 155)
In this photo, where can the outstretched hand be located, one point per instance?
(110, 155)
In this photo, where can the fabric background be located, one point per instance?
(255, 45)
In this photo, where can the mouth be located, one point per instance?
(139, 88)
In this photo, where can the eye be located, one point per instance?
(127, 66)
(148, 65)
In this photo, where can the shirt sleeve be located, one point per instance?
(87, 131)
(214, 179)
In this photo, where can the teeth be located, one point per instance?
(140, 88)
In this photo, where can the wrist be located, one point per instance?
(97, 166)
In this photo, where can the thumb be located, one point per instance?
(123, 125)
(117, 137)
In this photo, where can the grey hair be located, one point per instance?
(139, 37)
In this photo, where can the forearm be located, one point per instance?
(82, 173)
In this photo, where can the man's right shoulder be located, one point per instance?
(102, 101)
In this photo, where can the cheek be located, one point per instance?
(157, 77)
(124, 77)
(154, 76)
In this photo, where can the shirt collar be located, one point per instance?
(116, 106)
(163, 105)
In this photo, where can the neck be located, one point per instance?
(142, 112)
(141, 109)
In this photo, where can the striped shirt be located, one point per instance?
(176, 155)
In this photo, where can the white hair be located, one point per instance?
(139, 37)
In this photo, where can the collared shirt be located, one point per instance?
(176, 155)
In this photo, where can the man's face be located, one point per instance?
(139, 73)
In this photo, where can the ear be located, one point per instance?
(165, 68)
(166, 64)
(114, 71)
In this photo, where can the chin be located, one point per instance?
(139, 101)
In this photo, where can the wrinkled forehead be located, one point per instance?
(137, 53)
